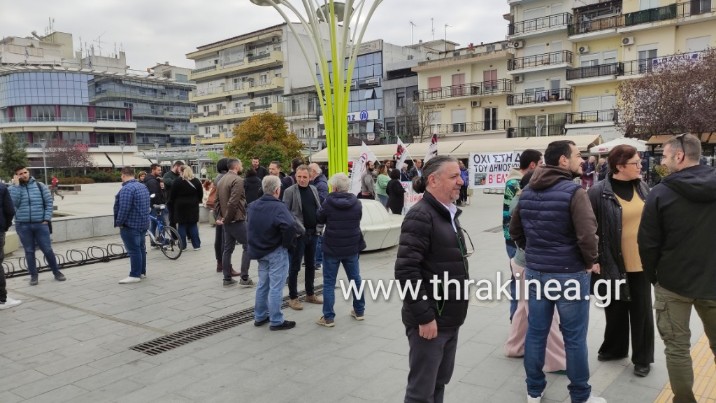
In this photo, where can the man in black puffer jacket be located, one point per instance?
(432, 247)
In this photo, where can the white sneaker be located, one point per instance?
(596, 399)
(129, 280)
(143, 276)
(531, 399)
(9, 303)
(197, 249)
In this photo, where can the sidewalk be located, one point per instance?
(71, 341)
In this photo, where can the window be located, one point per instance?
(207, 130)
(700, 6)
(265, 101)
(369, 94)
(263, 79)
(312, 105)
(489, 78)
(295, 106)
(647, 4)
(697, 44)
(400, 100)
(458, 120)
(490, 122)
(434, 85)
(646, 58)
(458, 85)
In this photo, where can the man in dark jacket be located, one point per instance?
(155, 185)
(432, 247)
(169, 178)
(271, 231)
(341, 213)
(555, 225)
(676, 244)
(256, 165)
(318, 179)
(7, 212)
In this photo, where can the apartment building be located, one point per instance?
(249, 74)
(571, 55)
(465, 93)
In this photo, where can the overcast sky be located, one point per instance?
(156, 31)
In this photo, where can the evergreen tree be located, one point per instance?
(13, 155)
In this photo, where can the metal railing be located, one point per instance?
(607, 115)
(470, 127)
(559, 57)
(259, 56)
(203, 69)
(260, 107)
(541, 23)
(643, 66)
(537, 97)
(651, 15)
(549, 130)
(609, 69)
(72, 119)
(502, 85)
(587, 25)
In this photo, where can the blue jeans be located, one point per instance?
(383, 199)
(273, 270)
(134, 242)
(32, 234)
(305, 246)
(192, 230)
(511, 251)
(330, 272)
(319, 251)
(574, 320)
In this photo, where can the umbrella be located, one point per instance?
(640, 145)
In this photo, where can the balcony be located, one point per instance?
(560, 96)
(251, 62)
(238, 90)
(651, 15)
(236, 113)
(590, 74)
(470, 127)
(590, 27)
(545, 61)
(606, 117)
(643, 66)
(539, 25)
(549, 130)
(485, 88)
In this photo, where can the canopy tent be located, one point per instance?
(604, 148)
(114, 160)
(463, 149)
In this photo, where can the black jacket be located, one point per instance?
(430, 247)
(341, 212)
(396, 196)
(184, 200)
(676, 236)
(252, 188)
(609, 225)
(270, 225)
(8, 209)
(152, 183)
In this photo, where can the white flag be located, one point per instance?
(359, 167)
(401, 154)
(432, 149)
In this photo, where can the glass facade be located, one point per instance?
(44, 88)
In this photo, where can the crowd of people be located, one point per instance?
(619, 231)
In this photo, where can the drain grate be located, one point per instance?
(494, 230)
(173, 340)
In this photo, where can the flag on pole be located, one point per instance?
(401, 154)
(359, 167)
(432, 149)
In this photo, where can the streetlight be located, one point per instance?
(121, 147)
(335, 93)
(43, 143)
(156, 150)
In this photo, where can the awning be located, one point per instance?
(583, 142)
(114, 160)
(659, 139)
(417, 151)
(604, 148)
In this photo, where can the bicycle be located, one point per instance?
(164, 236)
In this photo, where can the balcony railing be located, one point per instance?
(608, 115)
(541, 23)
(643, 66)
(544, 59)
(260, 56)
(650, 15)
(471, 127)
(202, 69)
(260, 107)
(502, 85)
(549, 130)
(600, 24)
(609, 69)
(70, 119)
(537, 97)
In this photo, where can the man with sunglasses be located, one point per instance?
(676, 244)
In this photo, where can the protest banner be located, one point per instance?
(490, 170)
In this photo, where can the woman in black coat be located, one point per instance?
(396, 193)
(184, 200)
(252, 186)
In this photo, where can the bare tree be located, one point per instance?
(63, 155)
(677, 95)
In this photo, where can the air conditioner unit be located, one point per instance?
(519, 79)
(475, 104)
(583, 49)
(354, 84)
(518, 44)
(372, 81)
(628, 40)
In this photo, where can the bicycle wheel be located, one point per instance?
(170, 243)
